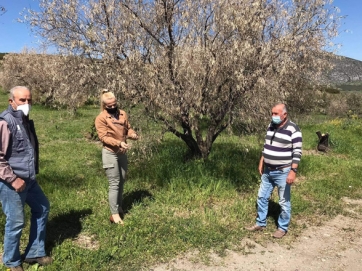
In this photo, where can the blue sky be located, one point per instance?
(15, 36)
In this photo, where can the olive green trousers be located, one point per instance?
(115, 165)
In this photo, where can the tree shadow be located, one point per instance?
(65, 226)
(240, 164)
(228, 161)
(133, 197)
(72, 178)
(61, 179)
(274, 211)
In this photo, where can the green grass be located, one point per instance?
(356, 86)
(175, 205)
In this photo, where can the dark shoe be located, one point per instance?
(46, 260)
(255, 228)
(15, 268)
(121, 213)
(120, 210)
(279, 233)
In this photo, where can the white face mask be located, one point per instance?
(25, 108)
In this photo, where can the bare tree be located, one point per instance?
(196, 65)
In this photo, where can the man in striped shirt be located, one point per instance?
(278, 167)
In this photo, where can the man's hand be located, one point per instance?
(19, 184)
(261, 169)
(291, 177)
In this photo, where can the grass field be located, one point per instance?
(172, 205)
(357, 86)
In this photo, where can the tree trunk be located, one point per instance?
(196, 151)
(186, 136)
(200, 148)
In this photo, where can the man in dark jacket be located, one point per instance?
(19, 154)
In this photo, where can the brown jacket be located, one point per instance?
(112, 132)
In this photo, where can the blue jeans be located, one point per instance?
(13, 207)
(269, 180)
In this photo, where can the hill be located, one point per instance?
(346, 71)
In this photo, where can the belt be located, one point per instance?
(277, 168)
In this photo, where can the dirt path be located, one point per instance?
(336, 245)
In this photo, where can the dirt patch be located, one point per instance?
(87, 242)
(336, 245)
(312, 152)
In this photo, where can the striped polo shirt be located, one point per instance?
(283, 145)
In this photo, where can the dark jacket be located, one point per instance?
(22, 153)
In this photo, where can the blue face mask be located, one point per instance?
(276, 119)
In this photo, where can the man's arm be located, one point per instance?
(6, 172)
(261, 165)
(296, 154)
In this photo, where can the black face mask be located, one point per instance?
(113, 110)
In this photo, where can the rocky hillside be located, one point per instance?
(346, 70)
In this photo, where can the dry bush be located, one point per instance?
(55, 80)
(344, 104)
(337, 106)
(354, 103)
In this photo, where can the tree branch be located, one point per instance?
(143, 25)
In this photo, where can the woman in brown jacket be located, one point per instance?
(113, 131)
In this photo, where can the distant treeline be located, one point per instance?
(2, 55)
(337, 88)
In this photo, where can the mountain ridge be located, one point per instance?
(345, 70)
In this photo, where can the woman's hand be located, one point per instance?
(133, 136)
(124, 145)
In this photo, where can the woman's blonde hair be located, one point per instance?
(106, 95)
